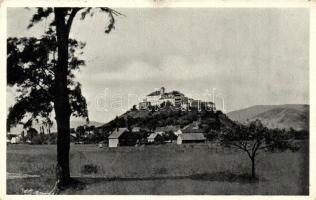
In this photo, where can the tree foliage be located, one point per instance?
(31, 65)
(70, 13)
(30, 69)
(253, 138)
(52, 85)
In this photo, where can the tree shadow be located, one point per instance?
(73, 184)
(225, 177)
(217, 176)
(80, 183)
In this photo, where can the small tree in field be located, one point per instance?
(250, 139)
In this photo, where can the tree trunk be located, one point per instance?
(61, 101)
(253, 167)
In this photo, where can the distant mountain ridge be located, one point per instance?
(285, 116)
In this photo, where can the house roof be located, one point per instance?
(167, 128)
(178, 132)
(152, 136)
(166, 97)
(117, 133)
(12, 134)
(171, 95)
(160, 132)
(160, 129)
(155, 93)
(192, 136)
(136, 129)
(192, 128)
(175, 93)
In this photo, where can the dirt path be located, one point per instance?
(19, 175)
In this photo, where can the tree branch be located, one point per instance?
(71, 17)
(254, 146)
(242, 147)
(257, 147)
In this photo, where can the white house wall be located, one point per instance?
(113, 142)
(179, 140)
(154, 100)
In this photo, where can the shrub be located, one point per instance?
(211, 135)
(89, 169)
(295, 147)
(37, 139)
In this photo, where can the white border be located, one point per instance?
(157, 4)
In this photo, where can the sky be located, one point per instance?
(236, 57)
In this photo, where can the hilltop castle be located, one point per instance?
(159, 98)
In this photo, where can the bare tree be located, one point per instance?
(249, 139)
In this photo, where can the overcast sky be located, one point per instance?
(247, 56)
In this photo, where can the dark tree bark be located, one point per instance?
(58, 92)
(63, 21)
(61, 101)
(253, 167)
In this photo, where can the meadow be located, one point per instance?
(195, 169)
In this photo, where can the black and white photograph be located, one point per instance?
(157, 100)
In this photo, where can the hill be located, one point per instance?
(151, 120)
(286, 116)
(76, 123)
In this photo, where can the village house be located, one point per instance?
(192, 128)
(114, 137)
(178, 132)
(170, 128)
(191, 138)
(136, 129)
(191, 134)
(13, 138)
(155, 137)
(73, 137)
(122, 137)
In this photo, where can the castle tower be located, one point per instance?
(162, 90)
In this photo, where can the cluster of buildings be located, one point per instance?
(25, 136)
(157, 99)
(126, 137)
(176, 99)
(13, 138)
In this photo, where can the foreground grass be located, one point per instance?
(168, 169)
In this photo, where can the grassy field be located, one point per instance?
(168, 169)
